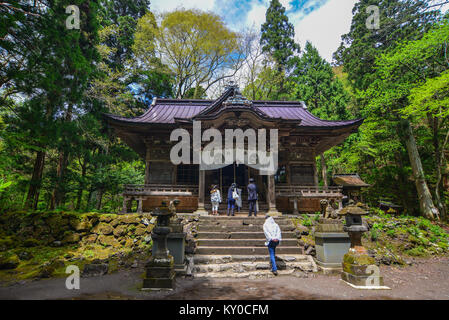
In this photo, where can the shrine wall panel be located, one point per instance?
(187, 203)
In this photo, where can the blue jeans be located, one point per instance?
(231, 206)
(272, 250)
(252, 207)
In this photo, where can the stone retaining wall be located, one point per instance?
(64, 228)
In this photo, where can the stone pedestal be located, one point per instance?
(176, 247)
(331, 244)
(160, 274)
(361, 272)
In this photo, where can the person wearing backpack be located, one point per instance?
(232, 196)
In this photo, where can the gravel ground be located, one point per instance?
(425, 279)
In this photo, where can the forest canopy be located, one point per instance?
(55, 83)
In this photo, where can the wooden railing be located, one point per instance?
(159, 189)
(309, 191)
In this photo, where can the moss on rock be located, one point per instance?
(8, 261)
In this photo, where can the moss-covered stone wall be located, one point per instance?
(42, 244)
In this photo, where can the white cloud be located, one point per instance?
(256, 16)
(168, 5)
(286, 3)
(325, 26)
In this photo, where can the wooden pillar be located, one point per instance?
(295, 206)
(139, 205)
(315, 174)
(323, 170)
(125, 205)
(201, 196)
(271, 196)
(147, 165)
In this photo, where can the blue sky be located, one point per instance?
(321, 22)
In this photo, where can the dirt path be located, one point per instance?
(425, 279)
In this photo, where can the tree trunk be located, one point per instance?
(89, 199)
(323, 170)
(439, 183)
(58, 194)
(99, 198)
(81, 188)
(434, 124)
(427, 207)
(36, 180)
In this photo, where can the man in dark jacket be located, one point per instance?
(252, 197)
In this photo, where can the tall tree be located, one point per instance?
(196, 46)
(313, 81)
(398, 20)
(278, 34)
(277, 41)
(398, 73)
(58, 68)
(122, 17)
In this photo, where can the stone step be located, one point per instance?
(225, 217)
(245, 250)
(259, 274)
(242, 222)
(252, 266)
(240, 228)
(223, 259)
(241, 242)
(240, 235)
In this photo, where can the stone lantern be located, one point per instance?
(175, 239)
(355, 227)
(331, 241)
(160, 272)
(359, 269)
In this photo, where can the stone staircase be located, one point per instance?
(222, 208)
(234, 247)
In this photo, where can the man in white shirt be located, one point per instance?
(273, 234)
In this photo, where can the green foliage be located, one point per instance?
(196, 47)
(374, 234)
(399, 20)
(405, 235)
(278, 34)
(306, 221)
(314, 82)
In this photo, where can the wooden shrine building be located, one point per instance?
(301, 137)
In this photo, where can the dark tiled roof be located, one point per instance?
(166, 111)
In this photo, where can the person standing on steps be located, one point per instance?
(232, 195)
(238, 201)
(272, 232)
(252, 197)
(215, 199)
